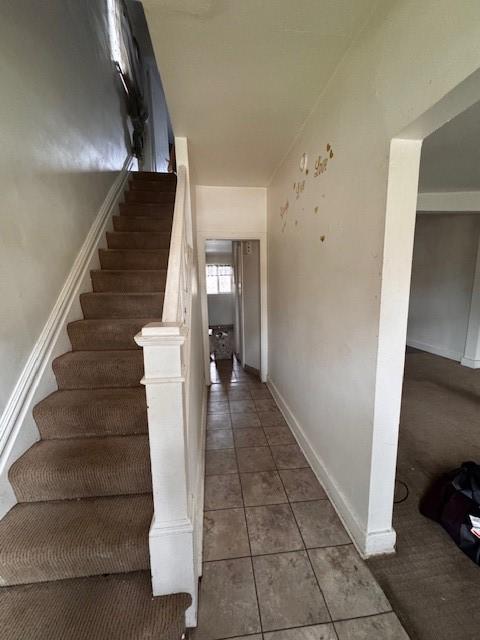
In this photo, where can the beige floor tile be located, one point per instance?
(258, 393)
(288, 593)
(249, 438)
(319, 524)
(301, 484)
(255, 459)
(242, 406)
(219, 439)
(288, 456)
(382, 627)
(225, 535)
(218, 421)
(347, 584)
(265, 404)
(272, 529)
(317, 632)
(227, 600)
(219, 461)
(218, 407)
(256, 383)
(262, 488)
(223, 492)
(272, 418)
(217, 392)
(279, 435)
(239, 393)
(245, 420)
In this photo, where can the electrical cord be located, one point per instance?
(407, 492)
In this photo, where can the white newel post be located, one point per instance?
(171, 538)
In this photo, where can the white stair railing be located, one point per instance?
(175, 541)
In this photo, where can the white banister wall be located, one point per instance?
(176, 401)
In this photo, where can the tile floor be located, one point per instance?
(278, 564)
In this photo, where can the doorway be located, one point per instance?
(233, 307)
(430, 323)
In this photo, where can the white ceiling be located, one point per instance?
(241, 76)
(451, 155)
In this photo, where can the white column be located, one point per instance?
(171, 539)
(471, 357)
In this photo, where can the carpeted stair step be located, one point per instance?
(141, 223)
(92, 412)
(99, 369)
(154, 195)
(111, 607)
(153, 185)
(62, 539)
(155, 210)
(138, 240)
(82, 468)
(120, 280)
(133, 258)
(122, 305)
(163, 178)
(106, 334)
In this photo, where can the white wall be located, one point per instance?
(443, 267)
(222, 211)
(251, 303)
(63, 143)
(325, 265)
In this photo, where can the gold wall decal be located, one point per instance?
(300, 188)
(321, 163)
(283, 215)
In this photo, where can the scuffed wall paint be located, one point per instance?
(325, 273)
(63, 142)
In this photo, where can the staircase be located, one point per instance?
(74, 550)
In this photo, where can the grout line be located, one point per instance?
(249, 546)
(277, 553)
(306, 552)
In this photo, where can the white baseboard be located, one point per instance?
(17, 428)
(366, 543)
(200, 485)
(470, 362)
(437, 350)
(197, 508)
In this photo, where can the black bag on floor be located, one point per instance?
(451, 500)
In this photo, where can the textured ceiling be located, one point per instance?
(241, 76)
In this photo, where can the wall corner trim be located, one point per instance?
(23, 396)
(469, 362)
(367, 544)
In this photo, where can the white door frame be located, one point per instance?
(262, 238)
(402, 191)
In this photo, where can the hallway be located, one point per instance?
(277, 560)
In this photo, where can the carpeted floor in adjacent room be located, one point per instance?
(432, 585)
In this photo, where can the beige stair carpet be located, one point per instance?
(116, 607)
(74, 550)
